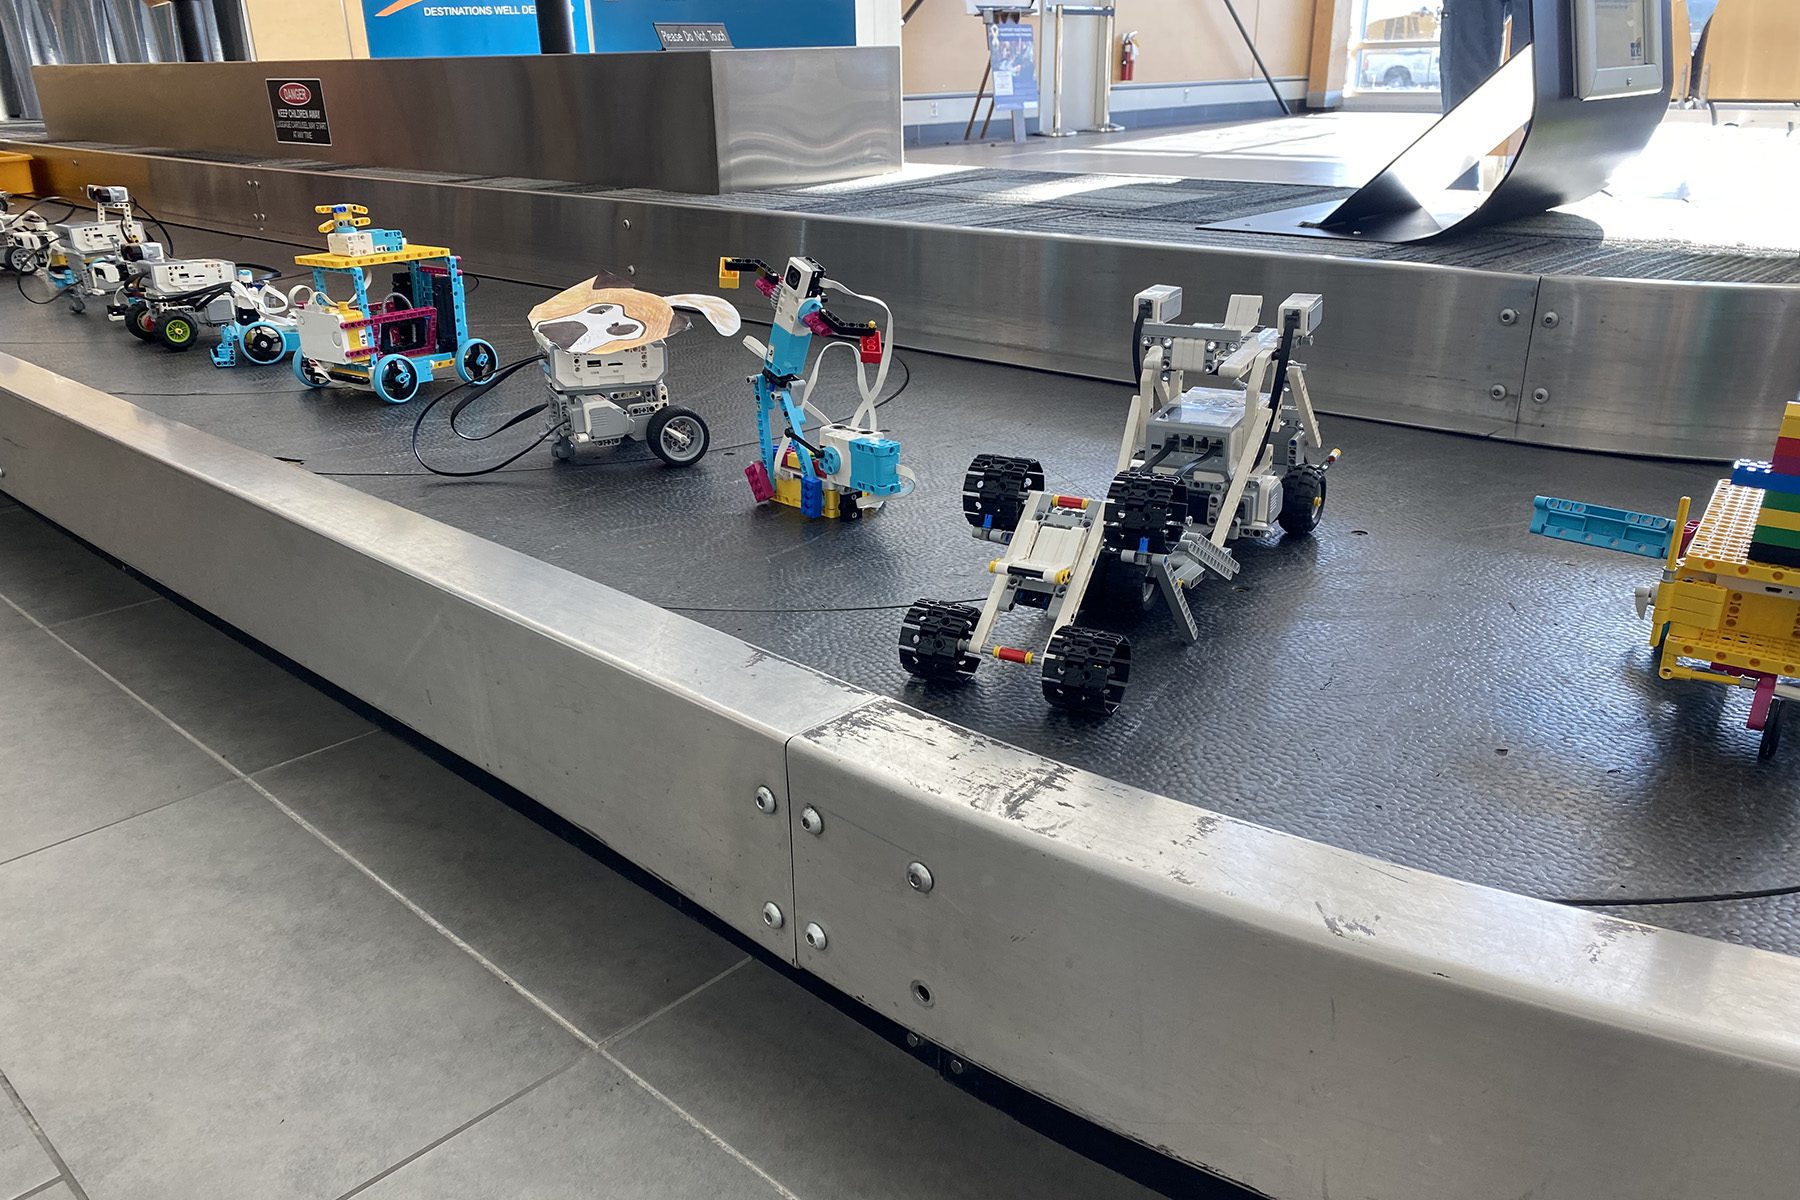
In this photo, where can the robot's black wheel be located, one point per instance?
(996, 487)
(1771, 732)
(1302, 500)
(1086, 670)
(1147, 512)
(23, 261)
(178, 330)
(263, 344)
(137, 321)
(934, 640)
(1118, 591)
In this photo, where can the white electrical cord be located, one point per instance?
(864, 419)
(271, 301)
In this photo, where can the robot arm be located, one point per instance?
(732, 269)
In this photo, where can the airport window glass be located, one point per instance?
(1394, 47)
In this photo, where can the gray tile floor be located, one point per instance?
(254, 945)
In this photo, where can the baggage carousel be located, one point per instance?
(1421, 682)
(1557, 330)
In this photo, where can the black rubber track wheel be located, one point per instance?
(1086, 670)
(934, 639)
(996, 487)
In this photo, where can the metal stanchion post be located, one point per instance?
(1103, 79)
(1056, 129)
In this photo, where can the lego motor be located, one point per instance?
(845, 469)
(1235, 456)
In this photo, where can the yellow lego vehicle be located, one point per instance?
(1727, 609)
(392, 342)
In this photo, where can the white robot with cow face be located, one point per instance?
(606, 355)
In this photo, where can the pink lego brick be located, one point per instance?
(760, 487)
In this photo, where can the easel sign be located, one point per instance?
(1011, 64)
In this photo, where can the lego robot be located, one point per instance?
(605, 348)
(24, 239)
(848, 468)
(414, 331)
(87, 258)
(171, 300)
(1727, 608)
(1235, 456)
(263, 330)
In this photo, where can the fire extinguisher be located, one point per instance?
(1128, 56)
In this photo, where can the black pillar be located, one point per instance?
(234, 37)
(556, 27)
(190, 30)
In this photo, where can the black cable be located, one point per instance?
(484, 385)
(20, 280)
(269, 274)
(168, 238)
(1653, 901)
(609, 461)
(37, 200)
(1137, 342)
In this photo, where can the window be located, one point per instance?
(1394, 47)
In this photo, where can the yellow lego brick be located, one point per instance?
(1691, 602)
(1721, 544)
(346, 262)
(1775, 518)
(787, 491)
(727, 279)
(1762, 615)
(1746, 652)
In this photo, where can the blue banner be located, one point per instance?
(762, 24)
(1012, 52)
(433, 28)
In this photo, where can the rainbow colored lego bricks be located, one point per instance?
(1776, 538)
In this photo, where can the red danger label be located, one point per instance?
(296, 93)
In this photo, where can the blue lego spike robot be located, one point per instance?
(848, 468)
(393, 344)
